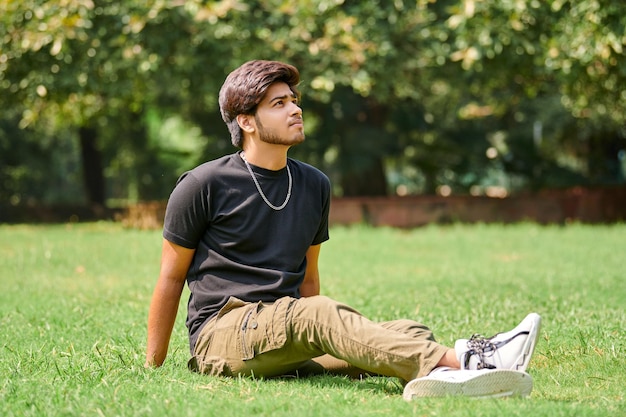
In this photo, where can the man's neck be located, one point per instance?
(268, 156)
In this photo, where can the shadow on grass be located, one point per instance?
(379, 384)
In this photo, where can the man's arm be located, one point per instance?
(311, 284)
(175, 261)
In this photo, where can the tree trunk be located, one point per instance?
(363, 148)
(368, 182)
(93, 175)
(603, 160)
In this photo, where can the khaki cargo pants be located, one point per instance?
(311, 335)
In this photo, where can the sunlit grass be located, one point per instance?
(74, 299)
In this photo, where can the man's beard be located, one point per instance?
(269, 136)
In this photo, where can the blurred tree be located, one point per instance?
(553, 75)
(73, 63)
(419, 93)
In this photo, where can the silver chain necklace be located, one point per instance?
(258, 186)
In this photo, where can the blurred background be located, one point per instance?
(105, 103)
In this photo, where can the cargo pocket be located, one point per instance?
(217, 341)
(265, 328)
(204, 363)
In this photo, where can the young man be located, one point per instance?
(244, 231)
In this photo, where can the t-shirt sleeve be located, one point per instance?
(187, 213)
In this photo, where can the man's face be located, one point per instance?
(279, 117)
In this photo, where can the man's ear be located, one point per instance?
(246, 122)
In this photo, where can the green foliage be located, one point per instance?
(75, 297)
(397, 93)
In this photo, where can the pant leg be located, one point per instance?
(327, 364)
(270, 340)
(402, 348)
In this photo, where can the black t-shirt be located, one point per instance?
(244, 248)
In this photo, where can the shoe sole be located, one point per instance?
(489, 384)
(531, 341)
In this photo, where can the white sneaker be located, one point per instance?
(510, 350)
(485, 383)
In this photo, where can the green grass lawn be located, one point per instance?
(74, 301)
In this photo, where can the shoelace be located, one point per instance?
(483, 348)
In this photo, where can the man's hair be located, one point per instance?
(245, 87)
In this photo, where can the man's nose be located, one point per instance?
(296, 109)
